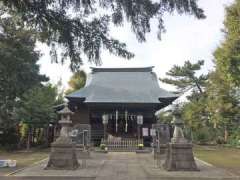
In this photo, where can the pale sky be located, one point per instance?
(186, 38)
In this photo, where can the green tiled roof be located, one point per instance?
(123, 85)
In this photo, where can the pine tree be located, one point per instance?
(185, 78)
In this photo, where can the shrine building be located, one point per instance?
(119, 103)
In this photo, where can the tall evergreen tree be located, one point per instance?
(223, 103)
(227, 55)
(19, 70)
(224, 82)
(82, 26)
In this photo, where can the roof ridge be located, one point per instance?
(123, 69)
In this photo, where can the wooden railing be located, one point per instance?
(126, 144)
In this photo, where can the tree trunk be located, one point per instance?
(46, 143)
(33, 136)
(215, 125)
(191, 134)
(225, 134)
(29, 138)
(38, 135)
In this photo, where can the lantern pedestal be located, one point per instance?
(62, 155)
(180, 158)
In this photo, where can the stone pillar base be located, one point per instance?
(160, 154)
(180, 158)
(62, 156)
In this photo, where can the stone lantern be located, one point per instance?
(63, 155)
(179, 155)
(178, 136)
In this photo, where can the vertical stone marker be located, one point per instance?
(63, 155)
(179, 155)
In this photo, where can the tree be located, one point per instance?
(227, 55)
(223, 103)
(19, 70)
(185, 78)
(82, 27)
(195, 114)
(77, 81)
(223, 86)
(36, 108)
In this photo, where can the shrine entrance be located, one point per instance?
(125, 126)
(126, 123)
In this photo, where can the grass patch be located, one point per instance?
(24, 158)
(223, 157)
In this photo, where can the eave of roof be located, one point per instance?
(123, 85)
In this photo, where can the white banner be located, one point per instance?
(145, 131)
(153, 132)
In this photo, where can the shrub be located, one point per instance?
(102, 146)
(202, 135)
(9, 139)
(140, 146)
(234, 138)
(220, 140)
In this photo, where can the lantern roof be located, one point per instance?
(65, 111)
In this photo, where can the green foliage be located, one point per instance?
(194, 113)
(23, 130)
(223, 85)
(201, 136)
(185, 78)
(222, 102)
(207, 135)
(227, 55)
(36, 111)
(36, 106)
(9, 139)
(82, 27)
(103, 146)
(234, 138)
(77, 81)
(19, 70)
